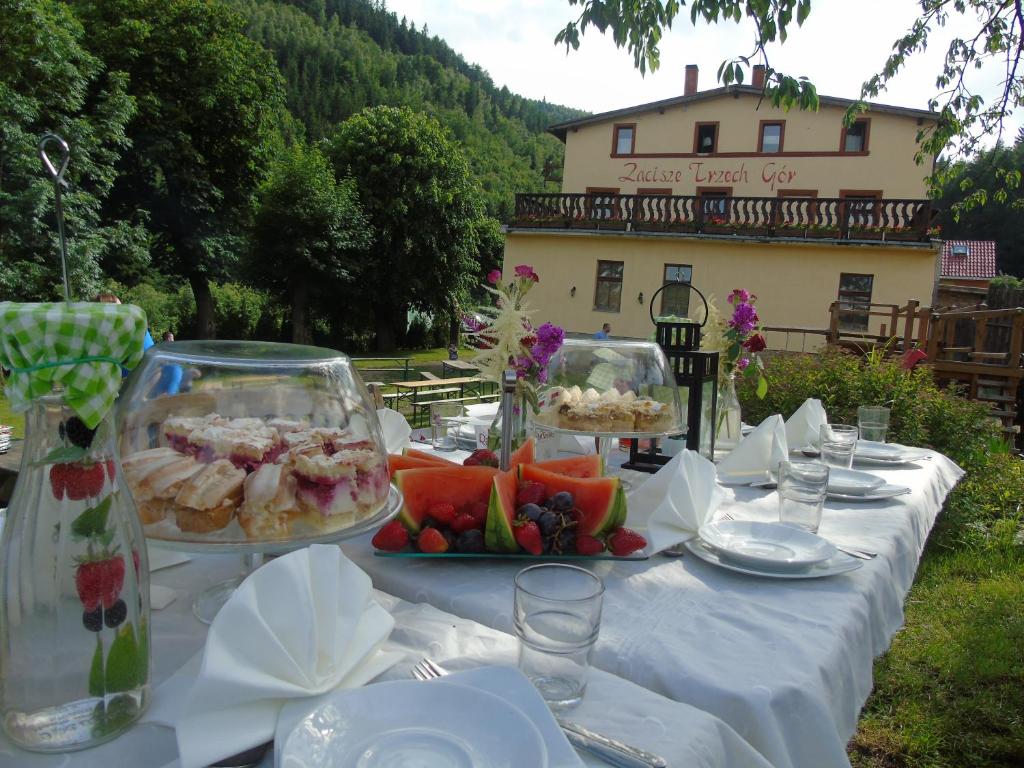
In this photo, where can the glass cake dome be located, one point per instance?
(228, 443)
(612, 388)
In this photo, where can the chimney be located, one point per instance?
(690, 85)
(757, 78)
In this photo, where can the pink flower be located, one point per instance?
(526, 271)
(494, 276)
(739, 296)
(742, 363)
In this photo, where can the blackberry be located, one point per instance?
(74, 430)
(531, 512)
(548, 523)
(115, 615)
(562, 501)
(470, 541)
(93, 620)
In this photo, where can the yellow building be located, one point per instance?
(720, 188)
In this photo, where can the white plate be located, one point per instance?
(839, 563)
(886, 491)
(852, 482)
(886, 453)
(409, 723)
(766, 546)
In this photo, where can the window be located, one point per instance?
(854, 301)
(860, 207)
(713, 202)
(675, 299)
(608, 293)
(602, 203)
(961, 249)
(771, 137)
(705, 138)
(855, 137)
(624, 139)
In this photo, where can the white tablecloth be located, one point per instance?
(786, 663)
(685, 736)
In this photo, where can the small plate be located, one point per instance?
(406, 723)
(880, 493)
(892, 454)
(837, 564)
(766, 546)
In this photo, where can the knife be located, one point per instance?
(610, 750)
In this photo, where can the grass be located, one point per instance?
(15, 420)
(420, 356)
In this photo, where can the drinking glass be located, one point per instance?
(443, 417)
(838, 442)
(873, 421)
(802, 487)
(557, 614)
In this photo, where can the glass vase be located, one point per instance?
(74, 589)
(519, 425)
(729, 417)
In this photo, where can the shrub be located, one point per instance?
(922, 414)
(239, 309)
(417, 335)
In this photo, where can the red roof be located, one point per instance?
(978, 261)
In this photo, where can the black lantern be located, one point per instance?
(696, 372)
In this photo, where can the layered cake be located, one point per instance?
(278, 478)
(609, 411)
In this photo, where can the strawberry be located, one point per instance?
(623, 542)
(588, 545)
(392, 537)
(443, 512)
(432, 541)
(76, 481)
(478, 509)
(464, 522)
(528, 536)
(529, 492)
(99, 582)
(481, 458)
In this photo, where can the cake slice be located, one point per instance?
(207, 501)
(269, 498)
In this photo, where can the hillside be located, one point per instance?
(339, 56)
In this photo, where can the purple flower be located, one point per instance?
(744, 318)
(742, 363)
(526, 271)
(494, 276)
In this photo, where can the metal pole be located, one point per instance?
(508, 401)
(57, 174)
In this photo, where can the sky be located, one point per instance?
(840, 46)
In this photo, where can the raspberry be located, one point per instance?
(528, 537)
(443, 512)
(478, 509)
(432, 541)
(624, 542)
(99, 582)
(481, 458)
(392, 537)
(76, 481)
(588, 545)
(464, 522)
(530, 493)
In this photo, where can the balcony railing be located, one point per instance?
(830, 218)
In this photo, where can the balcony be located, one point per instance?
(818, 218)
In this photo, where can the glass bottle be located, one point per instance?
(74, 589)
(519, 424)
(729, 417)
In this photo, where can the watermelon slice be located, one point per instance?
(424, 487)
(524, 454)
(501, 511)
(397, 461)
(431, 457)
(600, 499)
(591, 465)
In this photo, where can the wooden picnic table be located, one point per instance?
(457, 365)
(437, 386)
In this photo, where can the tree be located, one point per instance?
(307, 233)
(48, 82)
(209, 106)
(964, 121)
(424, 209)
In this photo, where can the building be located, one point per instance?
(720, 188)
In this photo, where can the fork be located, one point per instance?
(860, 554)
(610, 750)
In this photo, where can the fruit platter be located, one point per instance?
(561, 509)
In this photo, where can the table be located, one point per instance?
(787, 664)
(437, 385)
(10, 465)
(457, 365)
(684, 735)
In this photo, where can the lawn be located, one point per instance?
(419, 356)
(10, 419)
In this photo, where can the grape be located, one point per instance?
(548, 523)
(470, 541)
(531, 512)
(562, 501)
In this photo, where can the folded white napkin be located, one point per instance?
(394, 429)
(757, 455)
(802, 428)
(680, 498)
(299, 626)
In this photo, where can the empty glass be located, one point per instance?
(557, 616)
(838, 442)
(443, 420)
(873, 421)
(802, 487)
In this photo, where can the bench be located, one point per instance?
(430, 376)
(468, 399)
